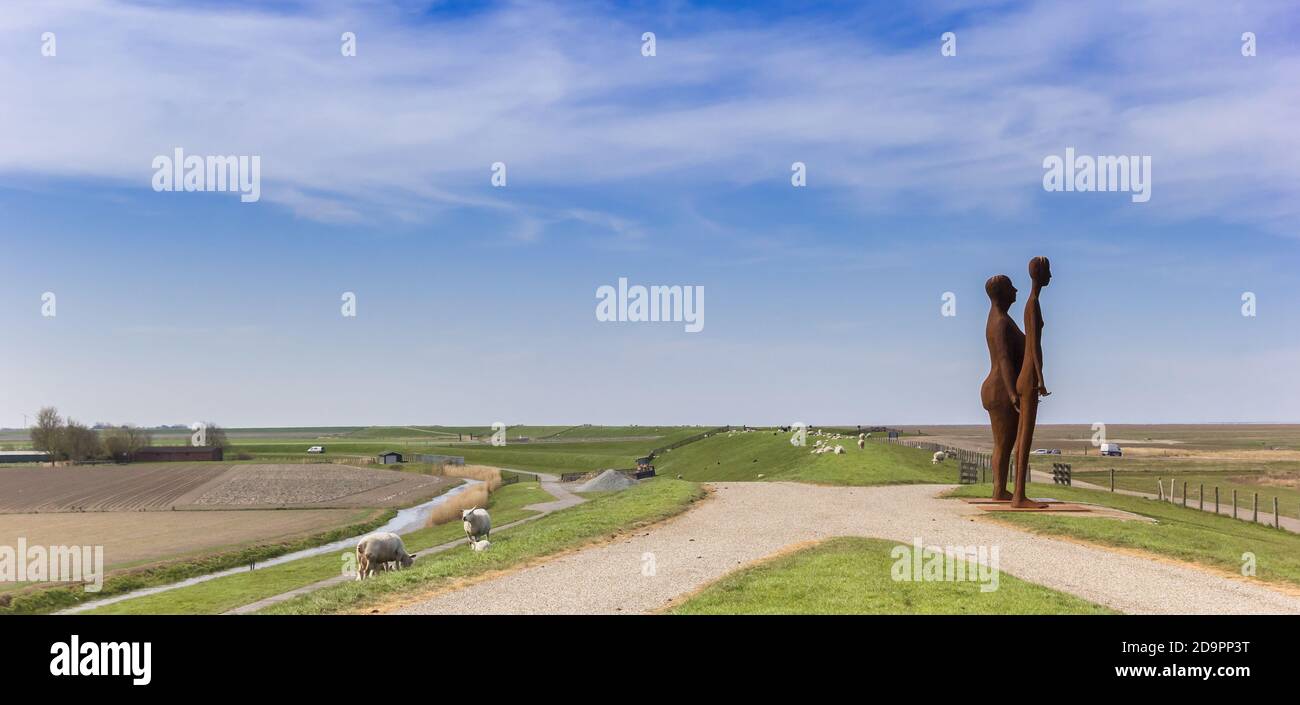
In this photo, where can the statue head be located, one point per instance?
(1001, 291)
(1040, 271)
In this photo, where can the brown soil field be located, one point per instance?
(313, 485)
(132, 538)
(208, 486)
(102, 487)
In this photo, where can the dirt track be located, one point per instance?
(745, 522)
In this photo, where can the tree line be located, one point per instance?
(67, 439)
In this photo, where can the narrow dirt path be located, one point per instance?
(746, 522)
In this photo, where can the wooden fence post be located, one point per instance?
(1184, 493)
(1160, 484)
(1234, 503)
(1277, 518)
(1216, 499)
(1255, 518)
(1201, 496)
(1112, 479)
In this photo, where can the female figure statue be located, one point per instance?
(1030, 385)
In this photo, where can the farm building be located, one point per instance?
(156, 454)
(390, 457)
(23, 456)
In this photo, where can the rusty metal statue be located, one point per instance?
(998, 393)
(1030, 385)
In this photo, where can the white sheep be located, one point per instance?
(939, 457)
(477, 523)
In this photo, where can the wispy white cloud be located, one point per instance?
(410, 126)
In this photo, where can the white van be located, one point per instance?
(1111, 449)
(316, 449)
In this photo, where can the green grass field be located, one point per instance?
(1244, 476)
(570, 449)
(569, 528)
(224, 594)
(1077, 438)
(1183, 534)
(853, 576)
(745, 456)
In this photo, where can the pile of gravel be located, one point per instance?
(607, 481)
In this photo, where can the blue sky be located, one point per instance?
(476, 304)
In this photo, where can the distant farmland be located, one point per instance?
(196, 486)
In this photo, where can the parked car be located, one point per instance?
(1040, 451)
(316, 449)
(1111, 449)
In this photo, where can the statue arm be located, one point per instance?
(1042, 383)
(1038, 350)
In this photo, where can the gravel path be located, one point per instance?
(744, 522)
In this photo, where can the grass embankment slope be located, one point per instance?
(603, 516)
(1270, 478)
(1182, 534)
(854, 576)
(744, 456)
(52, 599)
(581, 449)
(224, 594)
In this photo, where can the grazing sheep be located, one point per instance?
(477, 524)
(839, 450)
(939, 457)
(481, 545)
(375, 551)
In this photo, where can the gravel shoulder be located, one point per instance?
(744, 522)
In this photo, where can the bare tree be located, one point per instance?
(48, 432)
(122, 442)
(216, 436)
(79, 442)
